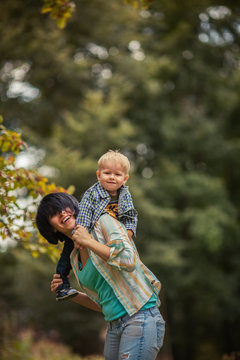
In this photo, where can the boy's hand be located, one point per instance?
(130, 233)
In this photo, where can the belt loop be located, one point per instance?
(123, 323)
(152, 310)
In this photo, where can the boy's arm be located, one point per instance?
(128, 214)
(86, 210)
(130, 222)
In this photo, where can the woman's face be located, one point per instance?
(63, 222)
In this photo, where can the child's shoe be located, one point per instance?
(66, 294)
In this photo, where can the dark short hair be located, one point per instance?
(50, 205)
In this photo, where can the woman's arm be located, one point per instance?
(113, 244)
(81, 298)
(84, 300)
(81, 237)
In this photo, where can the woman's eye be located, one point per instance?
(51, 216)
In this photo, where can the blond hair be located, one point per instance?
(114, 155)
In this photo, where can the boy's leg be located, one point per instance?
(65, 291)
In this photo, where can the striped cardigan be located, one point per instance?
(132, 282)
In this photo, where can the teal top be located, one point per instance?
(111, 306)
(131, 281)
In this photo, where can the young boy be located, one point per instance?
(109, 194)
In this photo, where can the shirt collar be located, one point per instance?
(102, 192)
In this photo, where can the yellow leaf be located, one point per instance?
(5, 146)
(35, 254)
(71, 189)
(45, 10)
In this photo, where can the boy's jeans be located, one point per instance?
(64, 265)
(137, 337)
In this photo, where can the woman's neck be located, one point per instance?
(68, 233)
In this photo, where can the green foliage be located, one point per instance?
(19, 195)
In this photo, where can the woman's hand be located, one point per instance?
(81, 298)
(56, 281)
(81, 237)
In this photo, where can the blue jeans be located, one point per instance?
(137, 337)
(64, 265)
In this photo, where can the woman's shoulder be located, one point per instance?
(106, 218)
(108, 221)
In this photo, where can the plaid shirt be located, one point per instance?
(132, 282)
(94, 202)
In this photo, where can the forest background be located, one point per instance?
(161, 84)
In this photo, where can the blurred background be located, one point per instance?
(162, 84)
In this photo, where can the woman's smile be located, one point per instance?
(63, 222)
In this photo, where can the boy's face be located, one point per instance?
(112, 176)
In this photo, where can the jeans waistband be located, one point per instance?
(125, 317)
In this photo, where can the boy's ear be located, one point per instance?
(97, 173)
(126, 179)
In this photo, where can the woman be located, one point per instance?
(113, 278)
